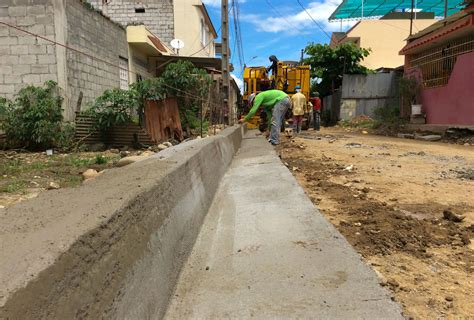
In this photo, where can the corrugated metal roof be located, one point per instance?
(357, 9)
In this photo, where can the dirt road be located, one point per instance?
(387, 196)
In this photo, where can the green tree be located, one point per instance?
(191, 86)
(328, 65)
(113, 107)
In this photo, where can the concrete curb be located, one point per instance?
(114, 247)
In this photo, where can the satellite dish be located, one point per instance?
(177, 44)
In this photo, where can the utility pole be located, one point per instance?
(411, 16)
(445, 8)
(225, 58)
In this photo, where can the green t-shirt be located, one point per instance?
(267, 99)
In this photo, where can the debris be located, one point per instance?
(124, 153)
(49, 152)
(365, 132)
(162, 147)
(114, 151)
(332, 140)
(53, 186)
(449, 298)
(451, 216)
(353, 145)
(393, 283)
(147, 153)
(296, 169)
(349, 168)
(406, 136)
(90, 174)
(168, 144)
(431, 137)
(129, 160)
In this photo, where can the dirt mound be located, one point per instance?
(374, 227)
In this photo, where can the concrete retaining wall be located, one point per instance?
(114, 247)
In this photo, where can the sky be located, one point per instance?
(277, 27)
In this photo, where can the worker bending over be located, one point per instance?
(275, 104)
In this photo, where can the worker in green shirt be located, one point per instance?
(275, 103)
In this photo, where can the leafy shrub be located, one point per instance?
(3, 107)
(33, 118)
(388, 118)
(113, 107)
(66, 139)
(100, 159)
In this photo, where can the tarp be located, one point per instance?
(357, 9)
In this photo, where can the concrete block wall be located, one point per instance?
(97, 36)
(24, 59)
(158, 16)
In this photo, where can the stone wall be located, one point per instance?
(158, 15)
(98, 37)
(25, 60)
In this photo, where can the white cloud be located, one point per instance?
(299, 23)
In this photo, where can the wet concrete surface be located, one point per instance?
(264, 251)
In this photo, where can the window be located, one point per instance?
(123, 73)
(139, 10)
(203, 33)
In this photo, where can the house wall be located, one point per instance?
(187, 21)
(158, 16)
(386, 38)
(25, 60)
(452, 104)
(139, 65)
(98, 37)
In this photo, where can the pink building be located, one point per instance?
(441, 57)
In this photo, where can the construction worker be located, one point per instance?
(274, 69)
(316, 111)
(275, 104)
(299, 108)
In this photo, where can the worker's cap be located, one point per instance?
(297, 87)
(251, 98)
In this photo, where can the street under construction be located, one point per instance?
(151, 170)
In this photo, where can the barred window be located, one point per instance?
(436, 64)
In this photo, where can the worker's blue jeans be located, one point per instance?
(278, 116)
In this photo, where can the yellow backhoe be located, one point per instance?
(289, 75)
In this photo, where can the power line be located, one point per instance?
(238, 33)
(317, 24)
(278, 13)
